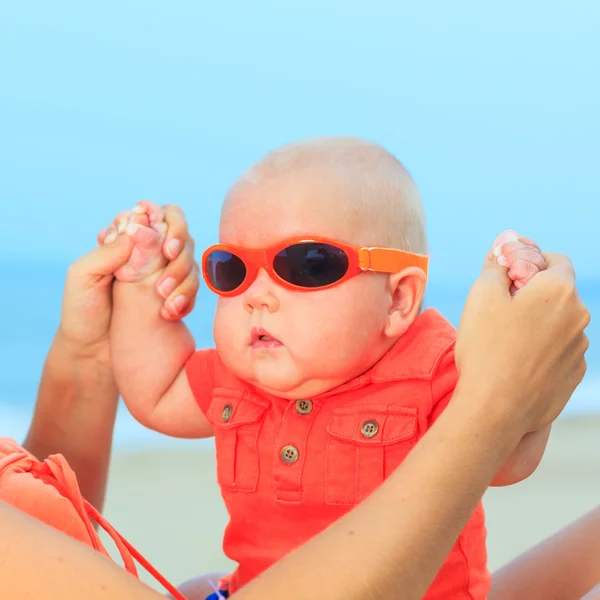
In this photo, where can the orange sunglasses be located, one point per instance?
(301, 264)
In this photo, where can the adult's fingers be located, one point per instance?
(509, 235)
(182, 299)
(560, 265)
(103, 260)
(176, 271)
(177, 232)
(118, 225)
(494, 274)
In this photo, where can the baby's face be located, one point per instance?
(325, 337)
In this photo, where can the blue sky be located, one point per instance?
(494, 108)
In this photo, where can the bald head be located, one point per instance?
(374, 188)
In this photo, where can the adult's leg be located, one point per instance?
(593, 594)
(565, 566)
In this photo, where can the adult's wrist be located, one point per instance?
(493, 412)
(69, 349)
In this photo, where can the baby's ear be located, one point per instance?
(406, 289)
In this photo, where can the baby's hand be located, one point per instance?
(521, 256)
(145, 225)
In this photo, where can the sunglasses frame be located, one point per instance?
(360, 259)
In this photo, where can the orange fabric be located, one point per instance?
(276, 506)
(48, 491)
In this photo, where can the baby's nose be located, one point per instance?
(261, 294)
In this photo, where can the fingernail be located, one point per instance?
(132, 228)
(501, 260)
(121, 225)
(173, 247)
(178, 303)
(497, 251)
(110, 238)
(167, 286)
(138, 210)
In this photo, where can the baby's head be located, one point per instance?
(346, 190)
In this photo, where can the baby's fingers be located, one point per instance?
(144, 237)
(151, 209)
(522, 261)
(521, 272)
(516, 251)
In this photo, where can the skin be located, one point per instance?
(77, 399)
(496, 402)
(564, 566)
(358, 322)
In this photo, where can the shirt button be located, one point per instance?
(289, 454)
(369, 428)
(303, 407)
(226, 414)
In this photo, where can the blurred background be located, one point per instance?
(493, 107)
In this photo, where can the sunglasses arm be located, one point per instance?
(388, 260)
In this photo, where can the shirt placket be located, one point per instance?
(291, 448)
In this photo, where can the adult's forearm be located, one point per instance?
(75, 415)
(394, 543)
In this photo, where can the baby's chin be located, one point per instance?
(281, 377)
(291, 386)
(278, 384)
(275, 380)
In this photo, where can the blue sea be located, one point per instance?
(31, 311)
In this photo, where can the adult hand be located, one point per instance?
(87, 297)
(532, 345)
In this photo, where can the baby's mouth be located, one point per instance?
(261, 339)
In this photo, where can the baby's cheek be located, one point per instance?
(228, 331)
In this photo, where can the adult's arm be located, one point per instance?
(77, 398)
(75, 415)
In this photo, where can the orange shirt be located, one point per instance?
(288, 469)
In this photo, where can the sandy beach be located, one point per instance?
(167, 503)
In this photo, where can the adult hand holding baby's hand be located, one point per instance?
(159, 238)
(531, 345)
(87, 298)
(521, 256)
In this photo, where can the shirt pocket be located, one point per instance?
(237, 418)
(365, 445)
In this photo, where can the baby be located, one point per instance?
(326, 372)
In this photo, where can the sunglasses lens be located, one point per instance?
(311, 265)
(225, 271)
